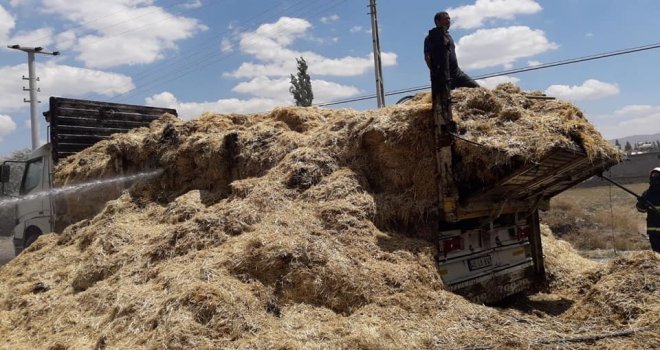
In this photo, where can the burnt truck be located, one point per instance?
(74, 125)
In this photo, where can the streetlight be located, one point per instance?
(33, 87)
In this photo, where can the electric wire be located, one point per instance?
(97, 19)
(191, 68)
(203, 48)
(506, 72)
(192, 59)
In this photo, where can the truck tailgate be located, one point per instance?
(559, 170)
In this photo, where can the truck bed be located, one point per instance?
(78, 124)
(533, 183)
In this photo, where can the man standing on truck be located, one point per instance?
(648, 198)
(440, 51)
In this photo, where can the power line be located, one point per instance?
(203, 48)
(208, 59)
(112, 14)
(201, 64)
(506, 72)
(187, 64)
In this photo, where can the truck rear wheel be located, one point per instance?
(31, 235)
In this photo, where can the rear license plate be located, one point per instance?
(480, 262)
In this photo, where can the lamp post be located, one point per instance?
(33, 89)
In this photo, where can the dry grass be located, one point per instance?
(602, 218)
(281, 231)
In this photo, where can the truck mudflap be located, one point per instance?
(496, 285)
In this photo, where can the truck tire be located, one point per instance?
(31, 235)
(404, 99)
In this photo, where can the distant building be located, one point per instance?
(644, 147)
(635, 168)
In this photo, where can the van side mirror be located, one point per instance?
(5, 171)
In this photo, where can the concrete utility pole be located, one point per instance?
(33, 88)
(380, 92)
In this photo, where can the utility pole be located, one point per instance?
(31, 51)
(380, 91)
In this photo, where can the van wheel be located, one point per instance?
(31, 235)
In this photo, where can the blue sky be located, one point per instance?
(231, 56)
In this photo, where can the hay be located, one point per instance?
(282, 230)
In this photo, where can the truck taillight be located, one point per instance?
(452, 244)
(523, 232)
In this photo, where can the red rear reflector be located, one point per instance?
(452, 244)
(523, 232)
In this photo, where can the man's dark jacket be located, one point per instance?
(440, 45)
(652, 197)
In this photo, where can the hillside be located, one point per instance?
(637, 138)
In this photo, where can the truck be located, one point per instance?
(489, 238)
(489, 241)
(74, 125)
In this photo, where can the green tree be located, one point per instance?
(617, 144)
(301, 85)
(20, 154)
(628, 148)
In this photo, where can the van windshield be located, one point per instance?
(33, 171)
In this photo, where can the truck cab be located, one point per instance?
(33, 211)
(74, 126)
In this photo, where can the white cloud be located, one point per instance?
(226, 46)
(7, 24)
(15, 3)
(501, 46)
(40, 37)
(591, 89)
(278, 89)
(269, 45)
(637, 110)
(7, 126)
(355, 29)
(473, 16)
(189, 110)
(58, 80)
(65, 40)
(329, 19)
(265, 87)
(632, 120)
(193, 4)
(326, 91)
(136, 33)
(491, 83)
(534, 63)
(109, 51)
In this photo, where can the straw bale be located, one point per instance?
(291, 230)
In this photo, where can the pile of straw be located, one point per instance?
(282, 230)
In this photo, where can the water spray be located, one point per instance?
(81, 187)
